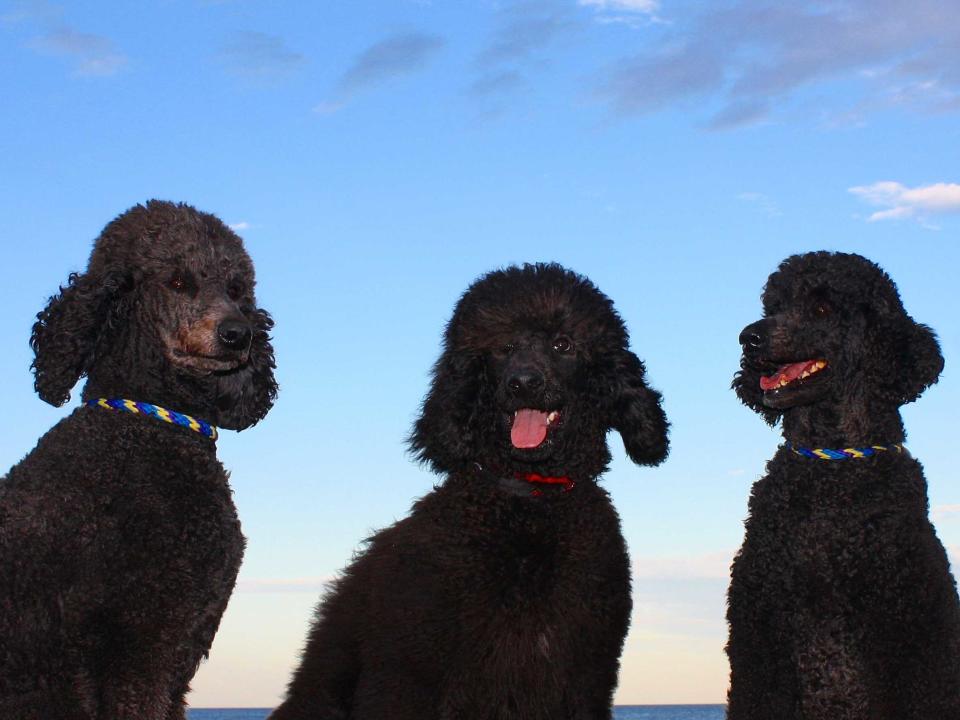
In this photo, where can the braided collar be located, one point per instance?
(156, 412)
(845, 453)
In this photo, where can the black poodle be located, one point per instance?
(841, 605)
(506, 593)
(119, 540)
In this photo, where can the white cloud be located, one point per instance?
(242, 225)
(902, 202)
(638, 6)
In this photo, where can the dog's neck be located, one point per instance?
(524, 484)
(849, 424)
(173, 395)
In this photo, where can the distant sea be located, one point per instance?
(621, 712)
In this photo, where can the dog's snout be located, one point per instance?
(753, 337)
(234, 334)
(525, 381)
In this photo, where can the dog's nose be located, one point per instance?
(525, 382)
(752, 337)
(235, 334)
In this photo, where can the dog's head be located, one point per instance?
(165, 313)
(535, 370)
(835, 337)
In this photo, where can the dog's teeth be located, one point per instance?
(806, 374)
(552, 417)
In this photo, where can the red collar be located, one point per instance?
(537, 479)
(519, 482)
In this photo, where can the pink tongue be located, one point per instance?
(788, 372)
(529, 428)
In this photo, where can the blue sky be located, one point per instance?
(378, 156)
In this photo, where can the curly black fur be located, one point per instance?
(489, 601)
(119, 541)
(841, 605)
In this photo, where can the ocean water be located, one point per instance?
(621, 712)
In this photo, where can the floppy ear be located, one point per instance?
(67, 331)
(917, 362)
(636, 413)
(443, 434)
(746, 383)
(244, 397)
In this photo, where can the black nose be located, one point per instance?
(526, 381)
(753, 337)
(235, 334)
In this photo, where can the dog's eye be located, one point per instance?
(563, 345)
(182, 282)
(822, 309)
(235, 291)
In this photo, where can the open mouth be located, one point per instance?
(792, 373)
(530, 426)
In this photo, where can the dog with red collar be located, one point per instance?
(506, 592)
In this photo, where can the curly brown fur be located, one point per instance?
(119, 541)
(841, 605)
(489, 601)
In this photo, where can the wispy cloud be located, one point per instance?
(628, 12)
(900, 202)
(260, 57)
(521, 35)
(92, 55)
(392, 57)
(493, 83)
(385, 60)
(752, 55)
(523, 29)
(242, 225)
(639, 6)
(27, 10)
(763, 203)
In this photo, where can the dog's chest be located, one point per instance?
(542, 586)
(822, 525)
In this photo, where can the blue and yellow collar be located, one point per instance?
(844, 453)
(159, 413)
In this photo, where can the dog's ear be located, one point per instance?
(443, 435)
(635, 411)
(916, 362)
(746, 383)
(67, 331)
(244, 397)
